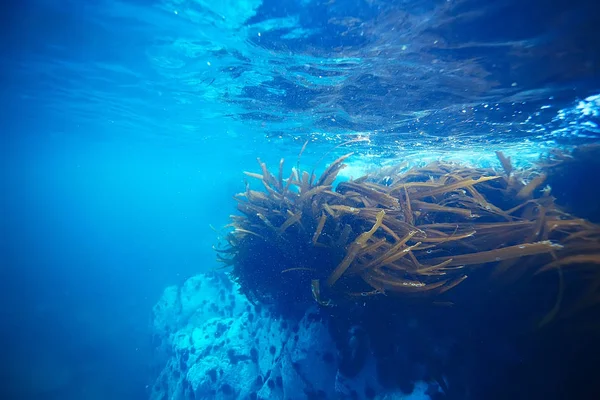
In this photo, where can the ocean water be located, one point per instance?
(126, 127)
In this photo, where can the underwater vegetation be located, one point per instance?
(417, 234)
(442, 253)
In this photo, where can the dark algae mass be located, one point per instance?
(491, 279)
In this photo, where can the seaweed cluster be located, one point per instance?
(431, 234)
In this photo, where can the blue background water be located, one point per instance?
(126, 125)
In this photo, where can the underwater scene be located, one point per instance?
(300, 200)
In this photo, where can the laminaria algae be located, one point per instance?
(415, 235)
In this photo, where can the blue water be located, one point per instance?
(126, 125)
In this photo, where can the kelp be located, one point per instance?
(418, 233)
(355, 247)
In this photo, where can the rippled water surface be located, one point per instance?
(413, 77)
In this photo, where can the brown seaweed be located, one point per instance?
(422, 236)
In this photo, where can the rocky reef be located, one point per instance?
(215, 344)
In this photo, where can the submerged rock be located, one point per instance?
(220, 346)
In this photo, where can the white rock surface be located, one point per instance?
(220, 346)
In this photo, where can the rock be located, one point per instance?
(222, 347)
